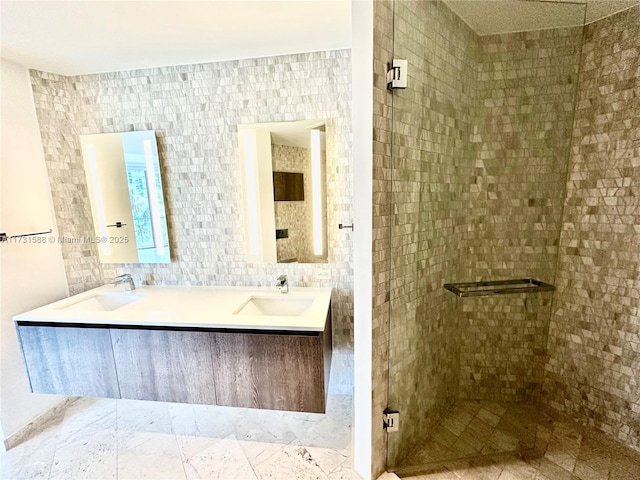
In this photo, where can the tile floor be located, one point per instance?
(124, 439)
(563, 450)
(475, 428)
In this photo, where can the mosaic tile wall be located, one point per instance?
(522, 131)
(195, 110)
(510, 216)
(381, 202)
(503, 346)
(431, 154)
(295, 216)
(593, 371)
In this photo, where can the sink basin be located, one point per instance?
(276, 306)
(104, 302)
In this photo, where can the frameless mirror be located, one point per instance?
(125, 190)
(284, 183)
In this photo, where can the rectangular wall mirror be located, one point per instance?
(125, 190)
(284, 183)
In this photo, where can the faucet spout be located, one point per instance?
(125, 279)
(282, 284)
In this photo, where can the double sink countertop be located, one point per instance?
(252, 308)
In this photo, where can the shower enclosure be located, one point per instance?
(480, 150)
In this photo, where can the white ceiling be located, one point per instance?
(487, 17)
(84, 36)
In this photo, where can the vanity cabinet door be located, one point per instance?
(164, 365)
(69, 360)
(277, 372)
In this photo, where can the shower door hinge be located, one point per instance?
(391, 421)
(397, 74)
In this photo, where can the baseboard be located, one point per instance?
(37, 424)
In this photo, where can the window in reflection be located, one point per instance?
(125, 189)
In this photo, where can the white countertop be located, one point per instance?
(186, 306)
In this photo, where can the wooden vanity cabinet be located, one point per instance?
(69, 360)
(164, 365)
(273, 371)
(255, 369)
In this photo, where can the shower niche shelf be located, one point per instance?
(498, 287)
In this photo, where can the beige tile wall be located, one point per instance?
(502, 346)
(593, 371)
(516, 169)
(478, 176)
(195, 110)
(522, 132)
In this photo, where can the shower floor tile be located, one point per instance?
(474, 428)
(563, 451)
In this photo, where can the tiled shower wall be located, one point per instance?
(594, 345)
(522, 130)
(195, 110)
(479, 167)
(431, 155)
(515, 176)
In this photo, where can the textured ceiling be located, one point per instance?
(597, 9)
(84, 36)
(502, 16)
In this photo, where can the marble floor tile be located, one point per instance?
(204, 420)
(326, 432)
(223, 459)
(344, 472)
(85, 416)
(126, 439)
(328, 459)
(144, 416)
(268, 426)
(150, 455)
(29, 460)
(190, 446)
(291, 462)
(258, 452)
(94, 457)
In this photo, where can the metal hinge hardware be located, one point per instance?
(391, 421)
(397, 74)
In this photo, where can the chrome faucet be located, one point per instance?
(282, 284)
(127, 280)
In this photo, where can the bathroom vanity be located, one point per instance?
(232, 346)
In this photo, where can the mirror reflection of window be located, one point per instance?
(145, 195)
(125, 189)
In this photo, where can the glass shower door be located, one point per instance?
(481, 138)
